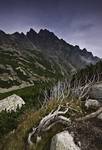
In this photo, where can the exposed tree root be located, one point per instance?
(48, 122)
(90, 116)
(52, 120)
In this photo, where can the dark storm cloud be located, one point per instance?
(77, 21)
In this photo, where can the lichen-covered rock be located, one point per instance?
(11, 103)
(92, 103)
(63, 141)
(96, 91)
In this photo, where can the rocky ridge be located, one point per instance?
(31, 57)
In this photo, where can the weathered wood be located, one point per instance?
(90, 116)
(48, 122)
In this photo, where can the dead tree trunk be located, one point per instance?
(48, 126)
(47, 123)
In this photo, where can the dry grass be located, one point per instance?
(17, 140)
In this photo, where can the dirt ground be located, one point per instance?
(89, 134)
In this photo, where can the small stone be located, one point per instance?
(92, 103)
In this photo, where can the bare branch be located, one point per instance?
(48, 122)
(90, 116)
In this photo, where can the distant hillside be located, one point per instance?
(30, 66)
(89, 73)
(26, 59)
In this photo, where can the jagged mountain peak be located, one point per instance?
(2, 32)
(47, 33)
(32, 36)
(43, 51)
(17, 34)
(87, 52)
(44, 31)
(31, 32)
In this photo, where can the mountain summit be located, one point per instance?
(31, 57)
(50, 44)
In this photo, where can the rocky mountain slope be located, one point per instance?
(26, 59)
(33, 61)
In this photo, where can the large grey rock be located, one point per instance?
(99, 116)
(96, 91)
(63, 141)
(11, 103)
(92, 103)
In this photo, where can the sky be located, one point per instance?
(79, 22)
